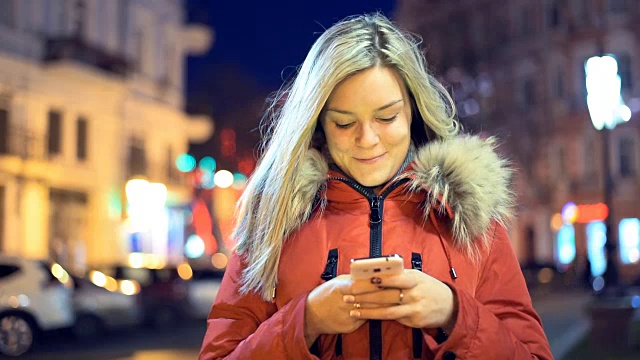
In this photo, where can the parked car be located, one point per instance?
(202, 291)
(99, 310)
(35, 296)
(163, 293)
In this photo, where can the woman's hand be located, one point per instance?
(413, 298)
(326, 311)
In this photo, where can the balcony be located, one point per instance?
(22, 143)
(76, 49)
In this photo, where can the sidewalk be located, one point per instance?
(567, 324)
(564, 318)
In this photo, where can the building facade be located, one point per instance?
(516, 69)
(91, 97)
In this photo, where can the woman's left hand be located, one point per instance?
(413, 298)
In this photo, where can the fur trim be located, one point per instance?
(464, 174)
(310, 178)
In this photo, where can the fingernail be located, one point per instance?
(354, 313)
(348, 298)
(376, 280)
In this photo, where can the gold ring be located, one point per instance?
(401, 297)
(356, 305)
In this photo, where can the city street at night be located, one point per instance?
(180, 342)
(148, 148)
(563, 315)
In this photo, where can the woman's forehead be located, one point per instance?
(372, 89)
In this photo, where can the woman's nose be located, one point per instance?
(367, 136)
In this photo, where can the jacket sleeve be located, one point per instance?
(499, 322)
(244, 326)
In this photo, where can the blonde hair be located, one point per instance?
(350, 46)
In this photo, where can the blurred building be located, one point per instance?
(516, 69)
(91, 96)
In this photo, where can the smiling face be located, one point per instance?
(367, 122)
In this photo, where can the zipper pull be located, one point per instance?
(375, 210)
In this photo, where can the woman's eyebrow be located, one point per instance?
(345, 112)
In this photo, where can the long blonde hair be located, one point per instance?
(350, 46)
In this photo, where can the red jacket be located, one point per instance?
(495, 320)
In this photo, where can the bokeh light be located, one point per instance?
(186, 163)
(207, 164)
(223, 179)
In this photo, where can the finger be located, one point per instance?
(358, 306)
(407, 280)
(382, 313)
(387, 296)
(363, 287)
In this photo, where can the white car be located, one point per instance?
(34, 296)
(100, 310)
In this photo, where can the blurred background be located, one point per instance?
(128, 129)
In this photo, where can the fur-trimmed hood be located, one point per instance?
(463, 176)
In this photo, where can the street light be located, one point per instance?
(606, 109)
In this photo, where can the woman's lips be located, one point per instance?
(370, 160)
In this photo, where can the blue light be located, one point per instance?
(185, 163)
(629, 232)
(566, 244)
(208, 164)
(596, 238)
(194, 248)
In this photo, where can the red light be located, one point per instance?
(592, 212)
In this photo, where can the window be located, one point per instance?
(553, 14)
(562, 164)
(558, 84)
(582, 12)
(525, 25)
(527, 94)
(624, 70)
(81, 138)
(589, 157)
(626, 157)
(7, 270)
(629, 233)
(2, 212)
(55, 132)
(4, 131)
(617, 6)
(137, 163)
(7, 13)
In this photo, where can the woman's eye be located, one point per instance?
(344, 126)
(389, 119)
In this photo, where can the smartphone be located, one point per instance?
(366, 268)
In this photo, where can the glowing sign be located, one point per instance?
(583, 214)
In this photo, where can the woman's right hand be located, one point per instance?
(326, 311)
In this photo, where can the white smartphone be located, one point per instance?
(366, 268)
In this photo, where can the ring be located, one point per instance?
(356, 305)
(401, 297)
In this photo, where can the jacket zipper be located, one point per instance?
(376, 203)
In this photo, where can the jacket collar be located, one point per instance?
(463, 177)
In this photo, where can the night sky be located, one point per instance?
(257, 45)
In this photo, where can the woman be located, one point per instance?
(363, 160)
